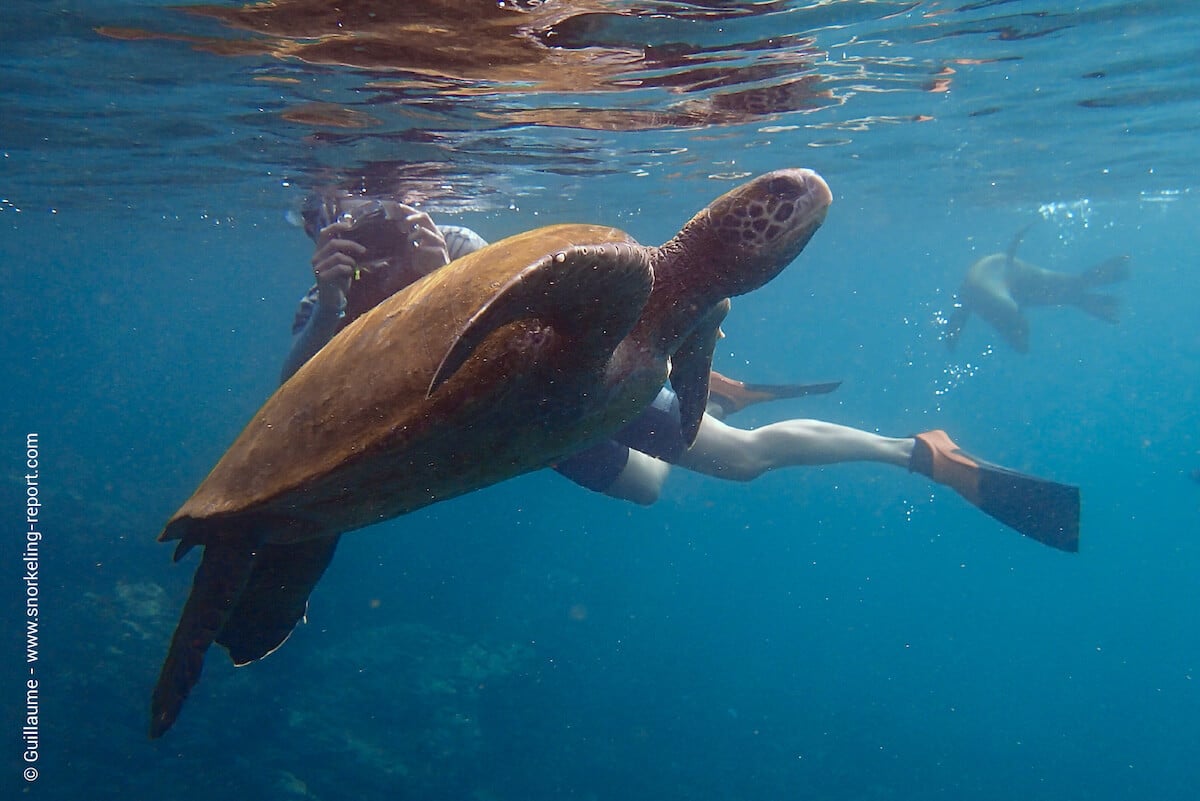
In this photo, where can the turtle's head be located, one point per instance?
(749, 234)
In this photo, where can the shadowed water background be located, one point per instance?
(848, 632)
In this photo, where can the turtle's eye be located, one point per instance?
(784, 187)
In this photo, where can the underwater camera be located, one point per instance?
(375, 227)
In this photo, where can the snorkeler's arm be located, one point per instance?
(460, 241)
(334, 263)
(318, 329)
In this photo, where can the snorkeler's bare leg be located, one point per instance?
(641, 480)
(742, 455)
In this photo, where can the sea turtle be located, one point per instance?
(498, 364)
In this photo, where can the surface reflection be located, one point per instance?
(589, 51)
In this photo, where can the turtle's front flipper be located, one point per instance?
(223, 572)
(596, 292)
(275, 597)
(690, 368)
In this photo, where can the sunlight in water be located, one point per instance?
(955, 374)
(1069, 217)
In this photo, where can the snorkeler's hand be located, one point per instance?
(426, 245)
(335, 263)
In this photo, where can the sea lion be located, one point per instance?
(1000, 287)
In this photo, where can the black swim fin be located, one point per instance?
(727, 395)
(1043, 510)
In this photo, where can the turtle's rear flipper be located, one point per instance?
(275, 598)
(223, 572)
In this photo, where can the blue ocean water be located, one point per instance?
(844, 632)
